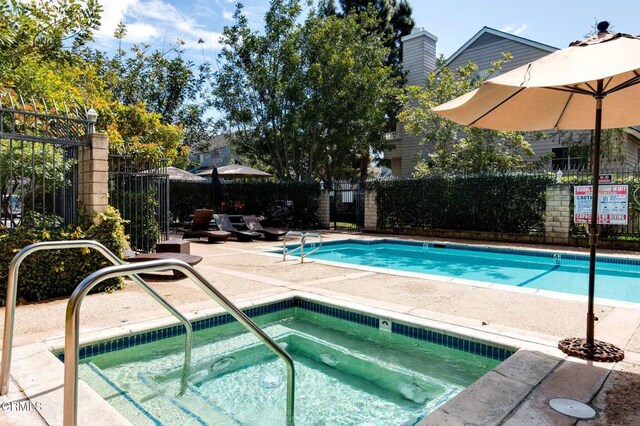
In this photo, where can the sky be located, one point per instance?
(453, 22)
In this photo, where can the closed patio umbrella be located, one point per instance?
(592, 84)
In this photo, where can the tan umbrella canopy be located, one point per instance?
(177, 174)
(592, 84)
(236, 171)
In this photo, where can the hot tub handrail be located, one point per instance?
(304, 240)
(72, 326)
(12, 286)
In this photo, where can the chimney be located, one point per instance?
(418, 56)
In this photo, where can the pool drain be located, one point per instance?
(572, 408)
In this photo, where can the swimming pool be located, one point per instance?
(352, 368)
(616, 278)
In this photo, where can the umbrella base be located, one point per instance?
(601, 351)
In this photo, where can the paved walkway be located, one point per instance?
(242, 272)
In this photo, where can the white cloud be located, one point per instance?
(515, 29)
(113, 12)
(227, 16)
(154, 20)
(139, 32)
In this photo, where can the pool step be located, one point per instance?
(147, 403)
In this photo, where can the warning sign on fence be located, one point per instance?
(613, 204)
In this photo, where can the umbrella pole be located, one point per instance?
(593, 228)
(589, 348)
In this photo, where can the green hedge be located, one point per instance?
(288, 204)
(511, 203)
(56, 273)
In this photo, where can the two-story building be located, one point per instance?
(569, 149)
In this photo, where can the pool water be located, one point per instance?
(616, 278)
(346, 374)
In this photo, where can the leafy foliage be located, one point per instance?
(133, 129)
(513, 203)
(394, 21)
(308, 100)
(290, 204)
(162, 80)
(44, 55)
(452, 147)
(48, 30)
(56, 273)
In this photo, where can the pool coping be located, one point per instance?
(521, 371)
(481, 284)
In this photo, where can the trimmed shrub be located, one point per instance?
(288, 204)
(56, 273)
(511, 203)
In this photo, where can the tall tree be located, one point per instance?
(394, 22)
(307, 99)
(452, 147)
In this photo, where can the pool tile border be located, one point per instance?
(414, 332)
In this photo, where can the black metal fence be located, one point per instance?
(139, 189)
(629, 175)
(39, 163)
(346, 205)
(506, 203)
(284, 204)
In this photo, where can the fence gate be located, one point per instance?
(347, 205)
(139, 189)
(39, 163)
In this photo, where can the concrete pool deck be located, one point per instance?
(517, 392)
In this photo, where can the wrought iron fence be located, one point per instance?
(623, 175)
(346, 205)
(505, 202)
(139, 189)
(39, 162)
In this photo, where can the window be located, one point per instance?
(570, 158)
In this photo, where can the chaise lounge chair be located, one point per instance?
(200, 228)
(223, 222)
(269, 234)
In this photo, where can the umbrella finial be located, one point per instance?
(602, 26)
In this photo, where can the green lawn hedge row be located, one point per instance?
(56, 273)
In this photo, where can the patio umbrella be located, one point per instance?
(176, 174)
(592, 84)
(236, 171)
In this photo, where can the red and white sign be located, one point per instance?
(613, 204)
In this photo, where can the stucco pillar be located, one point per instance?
(558, 214)
(324, 209)
(93, 175)
(370, 211)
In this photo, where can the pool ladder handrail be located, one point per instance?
(72, 326)
(303, 238)
(12, 286)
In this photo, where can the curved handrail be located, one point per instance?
(284, 243)
(12, 285)
(72, 326)
(304, 240)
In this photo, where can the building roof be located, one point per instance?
(492, 31)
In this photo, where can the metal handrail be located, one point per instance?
(303, 237)
(72, 326)
(304, 240)
(284, 243)
(12, 286)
